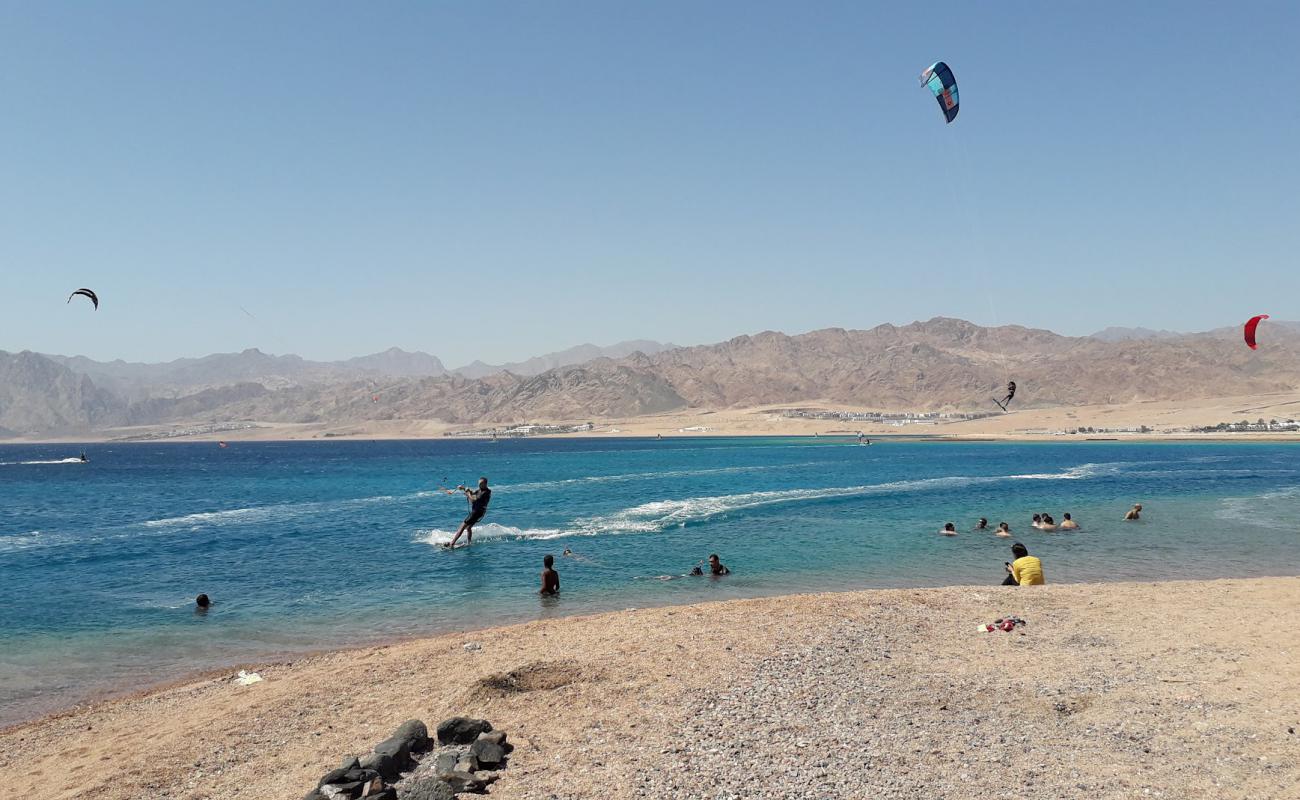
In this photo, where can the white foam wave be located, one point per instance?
(663, 514)
(1267, 510)
(45, 461)
(491, 530)
(23, 541)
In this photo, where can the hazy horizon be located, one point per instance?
(502, 180)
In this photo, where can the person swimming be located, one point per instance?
(1003, 531)
(1134, 513)
(1038, 520)
(202, 604)
(949, 529)
(716, 567)
(982, 525)
(570, 554)
(1046, 523)
(1068, 524)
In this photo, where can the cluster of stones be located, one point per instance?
(408, 765)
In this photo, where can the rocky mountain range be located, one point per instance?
(139, 381)
(942, 364)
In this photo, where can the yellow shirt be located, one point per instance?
(1028, 571)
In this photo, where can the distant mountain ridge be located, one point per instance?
(574, 355)
(940, 364)
(1114, 334)
(138, 381)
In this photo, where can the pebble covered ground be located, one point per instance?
(1170, 690)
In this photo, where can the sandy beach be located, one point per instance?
(1167, 420)
(1178, 690)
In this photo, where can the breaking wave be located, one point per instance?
(660, 515)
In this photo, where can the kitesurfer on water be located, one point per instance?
(478, 504)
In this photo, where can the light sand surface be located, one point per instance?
(1023, 423)
(1175, 690)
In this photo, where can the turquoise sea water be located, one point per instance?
(318, 544)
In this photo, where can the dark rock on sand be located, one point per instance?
(347, 791)
(446, 762)
(495, 737)
(349, 763)
(463, 781)
(415, 732)
(397, 749)
(487, 753)
(333, 776)
(427, 789)
(386, 765)
(467, 764)
(461, 730)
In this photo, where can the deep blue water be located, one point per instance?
(315, 544)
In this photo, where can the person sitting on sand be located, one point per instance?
(1068, 524)
(1046, 523)
(982, 525)
(949, 529)
(1038, 518)
(1003, 531)
(1135, 512)
(550, 578)
(478, 504)
(1025, 570)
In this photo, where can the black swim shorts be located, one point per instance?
(474, 517)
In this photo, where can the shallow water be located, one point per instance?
(317, 544)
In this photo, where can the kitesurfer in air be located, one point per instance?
(1011, 392)
(478, 505)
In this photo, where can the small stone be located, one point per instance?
(333, 776)
(384, 764)
(427, 789)
(467, 764)
(488, 753)
(445, 762)
(341, 791)
(495, 737)
(397, 749)
(415, 732)
(349, 763)
(462, 781)
(374, 787)
(461, 730)
(472, 646)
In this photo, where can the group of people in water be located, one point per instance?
(1042, 522)
(1025, 570)
(480, 497)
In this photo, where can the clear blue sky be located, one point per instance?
(495, 180)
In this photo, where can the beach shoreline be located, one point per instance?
(1166, 421)
(617, 692)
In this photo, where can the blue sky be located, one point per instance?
(495, 180)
